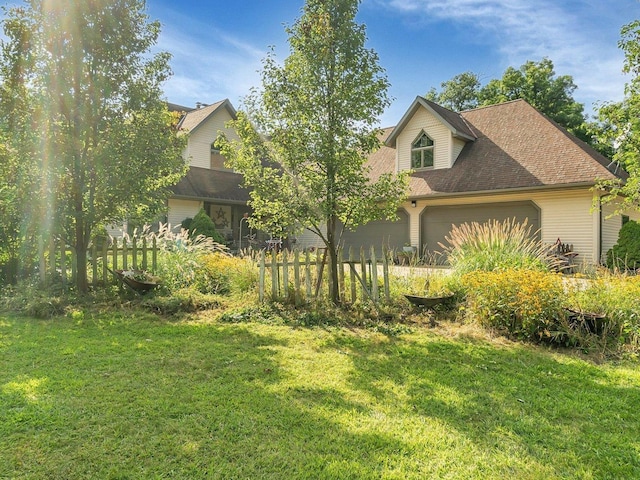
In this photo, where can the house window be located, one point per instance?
(625, 219)
(217, 160)
(422, 152)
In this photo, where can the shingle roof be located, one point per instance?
(516, 148)
(452, 120)
(194, 118)
(204, 184)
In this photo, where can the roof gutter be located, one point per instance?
(507, 191)
(209, 199)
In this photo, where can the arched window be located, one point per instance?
(422, 151)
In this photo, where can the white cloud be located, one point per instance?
(209, 64)
(570, 35)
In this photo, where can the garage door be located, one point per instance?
(437, 221)
(378, 233)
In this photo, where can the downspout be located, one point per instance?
(599, 231)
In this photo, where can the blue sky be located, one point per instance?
(217, 46)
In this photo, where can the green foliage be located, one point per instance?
(203, 225)
(625, 254)
(524, 304)
(319, 109)
(181, 301)
(621, 127)
(616, 298)
(458, 94)
(535, 82)
(222, 274)
(82, 76)
(178, 255)
(495, 246)
(259, 400)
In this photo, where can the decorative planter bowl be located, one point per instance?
(427, 302)
(137, 280)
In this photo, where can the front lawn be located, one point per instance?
(129, 395)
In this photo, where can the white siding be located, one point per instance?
(457, 147)
(441, 136)
(307, 239)
(199, 146)
(611, 225)
(115, 231)
(564, 214)
(181, 209)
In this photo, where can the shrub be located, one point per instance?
(525, 304)
(222, 274)
(178, 255)
(495, 246)
(625, 254)
(203, 225)
(615, 297)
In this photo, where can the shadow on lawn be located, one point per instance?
(138, 399)
(557, 412)
(135, 398)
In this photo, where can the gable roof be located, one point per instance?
(451, 120)
(195, 117)
(516, 147)
(210, 185)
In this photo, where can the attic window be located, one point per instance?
(422, 152)
(217, 160)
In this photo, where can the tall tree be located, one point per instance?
(318, 111)
(621, 126)
(535, 82)
(458, 94)
(108, 146)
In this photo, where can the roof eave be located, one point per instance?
(421, 102)
(503, 191)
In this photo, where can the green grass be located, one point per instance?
(128, 395)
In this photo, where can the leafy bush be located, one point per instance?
(617, 298)
(625, 254)
(525, 304)
(178, 255)
(203, 225)
(495, 246)
(214, 273)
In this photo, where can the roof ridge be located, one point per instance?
(484, 107)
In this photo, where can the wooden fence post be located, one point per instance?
(134, 253)
(341, 273)
(307, 273)
(154, 256)
(375, 296)
(385, 273)
(296, 276)
(144, 253)
(352, 275)
(274, 276)
(261, 277)
(125, 254)
(285, 273)
(363, 273)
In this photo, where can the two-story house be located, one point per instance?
(208, 183)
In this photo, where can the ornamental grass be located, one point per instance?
(496, 245)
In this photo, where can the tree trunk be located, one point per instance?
(332, 246)
(80, 246)
(82, 283)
